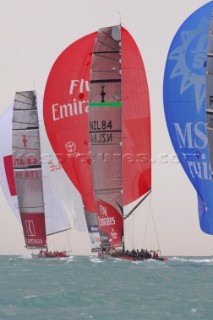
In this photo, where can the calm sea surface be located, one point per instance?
(87, 288)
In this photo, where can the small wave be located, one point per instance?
(68, 259)
(32, 296)
(193, 259)
(25, 256)
(95, 259)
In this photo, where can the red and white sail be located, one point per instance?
(106, 154)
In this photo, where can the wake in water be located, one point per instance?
(205, 260)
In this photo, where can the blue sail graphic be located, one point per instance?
(184, 96)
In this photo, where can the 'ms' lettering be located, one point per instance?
(192, 136)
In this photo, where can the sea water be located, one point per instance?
(88, 288)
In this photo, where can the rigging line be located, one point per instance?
(68, 229)
(156, 232)
(137, 205)
(156, 235)
(57, 232)
(146, 228)
(68, 237)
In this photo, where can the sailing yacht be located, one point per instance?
(30, 180)
(120, 138)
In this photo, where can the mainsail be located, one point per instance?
(40, 208)
(186, 86)
(119, 128)
(27, 168)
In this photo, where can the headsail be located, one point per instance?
(209, 92)
(27, 168)
(119, 127)
(66, 122)
(6, 162)
(185, 106)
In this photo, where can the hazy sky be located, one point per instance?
(34, 33)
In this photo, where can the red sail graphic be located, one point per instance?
(34, 229)
(66, 114)
(136, 122)
(66, 121)
(8, 166)
(110, 223)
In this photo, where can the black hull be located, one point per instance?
(122, 256)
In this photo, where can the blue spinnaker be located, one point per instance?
(185, 107)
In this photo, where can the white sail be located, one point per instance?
(6, 172)
(52, 199)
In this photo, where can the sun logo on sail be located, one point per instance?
(191, 61)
